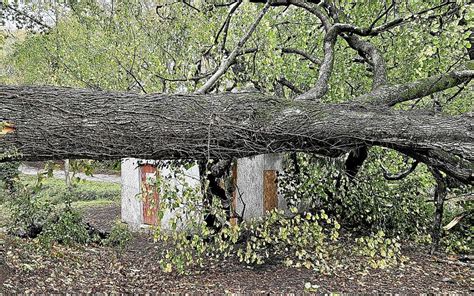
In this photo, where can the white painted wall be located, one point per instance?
(132, 206)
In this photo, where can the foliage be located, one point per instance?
(382, 251)
(297, 240)
(8, 174)
(459, 239)
(300, 239)
(119, 236)
(132, 46)
(369, 203)
(65, 226)
(36, 209)
(187, 235)
(27, 210)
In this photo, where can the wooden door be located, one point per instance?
(270, 190)
(149, 173)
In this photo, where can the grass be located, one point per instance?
(84, 194)
(54, 189)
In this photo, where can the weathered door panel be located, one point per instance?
(270, 190)
(149, 173)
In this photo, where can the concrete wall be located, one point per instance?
(132, 206)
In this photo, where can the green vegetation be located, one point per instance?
(64, 226)
(376, 217)
(54, 190)
(48, 208)
(119, 236)
(4, 215)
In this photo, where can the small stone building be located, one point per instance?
(255, 180)
(257, 187)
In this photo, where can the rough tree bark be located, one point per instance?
(59, 123)
(439, 197)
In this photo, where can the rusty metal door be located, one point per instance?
(148, 175)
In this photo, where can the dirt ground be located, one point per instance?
(102, 217)
(136, 270)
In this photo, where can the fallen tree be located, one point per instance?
(59, 123)
(41, 123)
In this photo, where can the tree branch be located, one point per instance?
(325, 71)
(400, 175)
(392, 95)
(373, 31)
(287, 83)
(25, 14)
(456, 167)
(368, 50)
(225, 26)
(302, 53)
(227, 62)
(315, 10)
(305, 4)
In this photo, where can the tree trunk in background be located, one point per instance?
(439, 197)
(66, 173)
(64, 123)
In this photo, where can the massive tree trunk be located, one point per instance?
(61, 123)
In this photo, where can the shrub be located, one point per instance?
(65, 227)
(119, 236)
(8, 173)
(32, 216)
(28, 212)
(369, 203)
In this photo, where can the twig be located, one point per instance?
(302, 53)
(287, 83)
(382, 15)
(33, 19)
(227, 62)
(400, 175)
